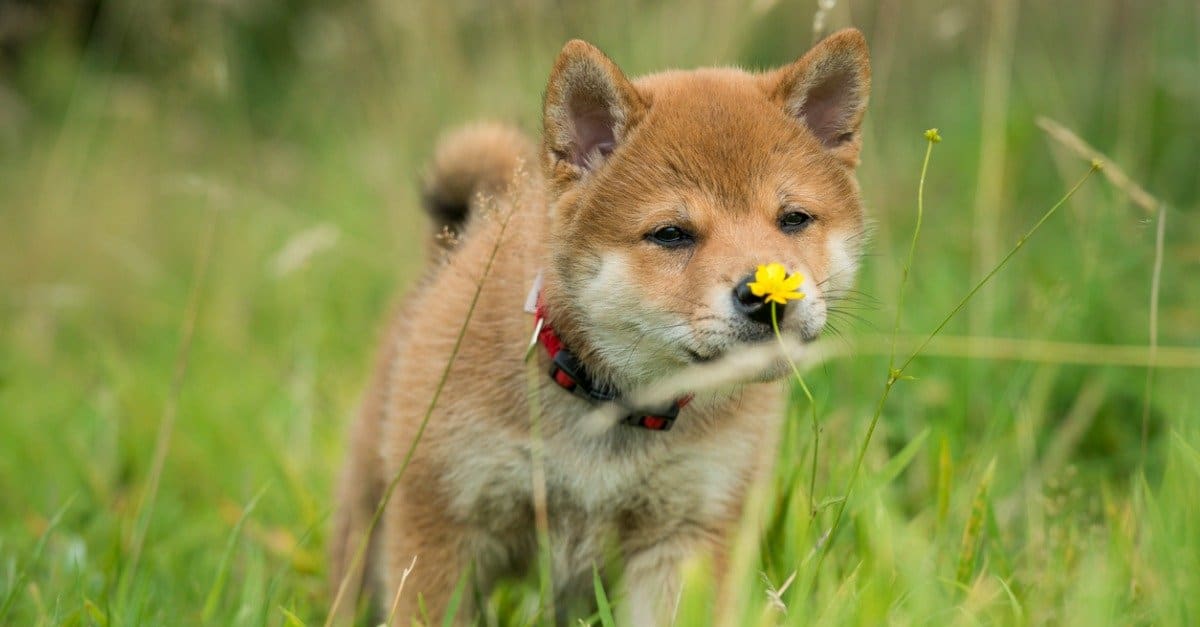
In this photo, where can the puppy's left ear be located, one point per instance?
(827, 90)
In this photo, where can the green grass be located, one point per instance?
(1011, 491)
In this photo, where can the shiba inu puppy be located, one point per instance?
(645, 212)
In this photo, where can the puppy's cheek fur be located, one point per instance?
(813, 316)
(844, 251)
(627, 324)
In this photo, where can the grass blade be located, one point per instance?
(218, 584)
(19, 580)
(606, 615)
(945, 479)
(972, 532)
(456, 599)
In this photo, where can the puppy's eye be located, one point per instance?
(670, 237)
(795, 221)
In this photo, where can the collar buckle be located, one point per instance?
(569, 374)
(658, 421)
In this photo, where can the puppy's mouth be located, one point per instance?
(747, 341)
(698, 358)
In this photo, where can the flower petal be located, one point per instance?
(765, 273)
(773, 284)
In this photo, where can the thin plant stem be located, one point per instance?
(541, 512)
(1003, 262)
(391, 617)
(412, 447)
(1155, 283)
(932, 138)
(896, 374)
(816, 425)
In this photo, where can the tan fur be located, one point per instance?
(470, 164)
(721, 152)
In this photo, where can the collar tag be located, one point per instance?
(531, 300)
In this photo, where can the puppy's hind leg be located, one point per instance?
(359, 490)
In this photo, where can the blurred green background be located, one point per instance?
(282, 141)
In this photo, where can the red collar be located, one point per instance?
(569, 373)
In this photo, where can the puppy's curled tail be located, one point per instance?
(470, 165)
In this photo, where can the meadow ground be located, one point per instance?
(1023, 481)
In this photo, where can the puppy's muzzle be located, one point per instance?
(754, 308)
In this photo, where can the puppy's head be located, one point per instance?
(668, 191)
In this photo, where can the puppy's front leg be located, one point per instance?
(651, 582)
(441, 560)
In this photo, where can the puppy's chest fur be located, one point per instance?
(626, 489)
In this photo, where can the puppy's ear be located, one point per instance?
(827, 89)
(588, 110)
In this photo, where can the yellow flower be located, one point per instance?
(773, 284)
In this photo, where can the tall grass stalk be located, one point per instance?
(895, 374)
(1152, 206)
(541, 513)
(993, 148)
(391, 617)
(812, 404)
(931, 137)
(1155, 287)
(162, 443)
(412, 447)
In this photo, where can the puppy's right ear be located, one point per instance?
(589, 108)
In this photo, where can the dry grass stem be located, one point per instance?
(732, 369)
(1029, 350)
(391, 619)
(1152, 206)
(1160, 235)
(356, 561)
(775, 595)
(541, 512)
(1112, 171)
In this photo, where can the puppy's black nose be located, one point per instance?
(751, 306)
